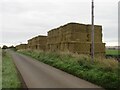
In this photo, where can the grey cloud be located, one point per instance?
(21, 36)
(27, 18)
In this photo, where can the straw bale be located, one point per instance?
(21, 46)
(99, 47)
(82, 37)
(79, 28)
(36, 41)
(97, 38)
(97, 29)
(82, 47)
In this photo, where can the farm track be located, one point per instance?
(39, 75)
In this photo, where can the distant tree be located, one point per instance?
(5, 47)
(12, 48)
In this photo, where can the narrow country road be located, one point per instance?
(39, 75)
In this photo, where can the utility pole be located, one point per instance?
(92, 33)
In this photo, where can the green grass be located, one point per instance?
(112, 52)
(102, 72)
(9, 73)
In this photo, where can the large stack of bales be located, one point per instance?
(72, 37)
(37, 43)
(21, 47)
(30, 44)
(76, 38)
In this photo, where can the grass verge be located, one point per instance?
(9, 73)
(104, 73)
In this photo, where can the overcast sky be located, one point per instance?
(21, 20)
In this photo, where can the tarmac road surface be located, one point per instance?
(39, 75)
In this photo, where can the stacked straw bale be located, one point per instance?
(97, 32)
(72, 37)
(37, 43)
(21, 47)
(76, 38)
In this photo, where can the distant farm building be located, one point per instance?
(113, 47)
